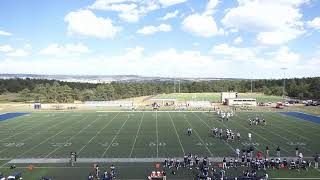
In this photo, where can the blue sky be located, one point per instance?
(185, 38)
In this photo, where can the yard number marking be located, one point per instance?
(107, 144)
(13, 144)
(250, 144)
(162, 144)
(296, 143)
(204, 144)
(61, 144)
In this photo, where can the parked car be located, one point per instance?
(293, 101)
(315, 103)
(280, 105)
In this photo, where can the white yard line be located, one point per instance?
(107, 160)
(40, 143)
(98, 132)
(211, 154)
(4, 164)
(151, 111)
(28, 129)
(295, 127)
(157, 134)
(297, 121)
(232, 149)
(288, 140)
(10, 123)
(177, 135)
(115, 137)
(294, 133)
(135, 139)
(35, 134)
(296, 178)
(307, 114)
(80, 131)
(258, 134)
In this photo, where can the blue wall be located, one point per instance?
(11, 115)
(303, 116)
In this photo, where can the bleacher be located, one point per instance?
(109, 103)
(198, 104)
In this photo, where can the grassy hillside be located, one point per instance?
(216, 97)
(10, 97)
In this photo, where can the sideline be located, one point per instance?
(109, 160)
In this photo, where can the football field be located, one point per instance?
(147, 137)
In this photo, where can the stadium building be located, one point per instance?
(232, 99)
(240, 102)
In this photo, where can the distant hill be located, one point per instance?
(108, 78)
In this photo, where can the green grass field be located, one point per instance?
(215, 97)
(143, 135)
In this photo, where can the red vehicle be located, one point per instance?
(280, 105)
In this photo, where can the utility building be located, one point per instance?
(225, 95)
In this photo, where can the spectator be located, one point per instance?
(278, 152)
(224, 163)
(316, 161)
(90, 177)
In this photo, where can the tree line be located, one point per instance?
(59, 91)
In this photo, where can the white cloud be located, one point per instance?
(63, 50)
(311, 65)
(132, 10)
(279, 36)
(133, 53)
(86, 23)
(281, 57)
(6, 48)
(27, 46)
(171, 2)
(10, 51)
(18, 53)
(128, 10)
(201, 25)
(106, 4)
(263, 63)
(133, 61)
(174, 63)
(147, 30)
(4, 33)
(170, 15)
(234, 53)
(237, 40)
(284, 56)
(268, 18)
(315, 23)
(130, 16)
(212, 4)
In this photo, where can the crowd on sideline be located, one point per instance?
(105, 175)
(252, 166)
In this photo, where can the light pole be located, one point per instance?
(284, 81)
(251, 82)
(174, 85)
(251, 85)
